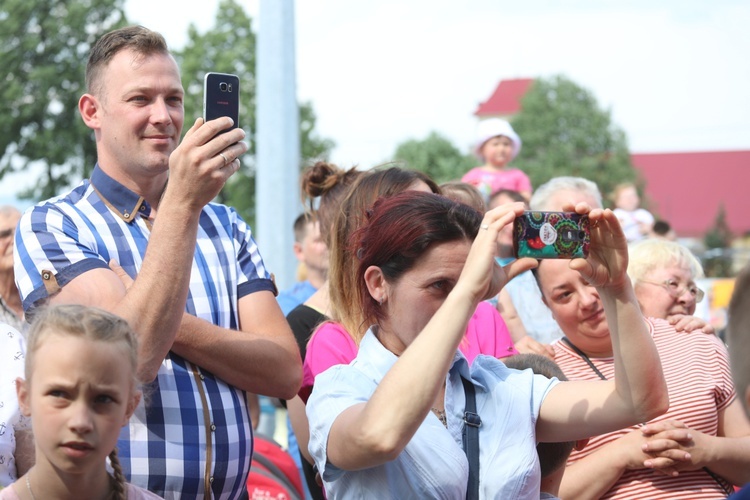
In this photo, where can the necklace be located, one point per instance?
(28, 487)
(440, 414)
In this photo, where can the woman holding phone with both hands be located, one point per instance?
(391, 422)
(701, 446)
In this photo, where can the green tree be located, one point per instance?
(717, 262)
(565, 132)
(436, 156)
(229, 47)
(43, 49)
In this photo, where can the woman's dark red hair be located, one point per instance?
(400, 229)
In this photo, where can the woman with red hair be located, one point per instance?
(390, 423)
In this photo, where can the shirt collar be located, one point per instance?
(381, 359)
(117, 197)
(378, 357)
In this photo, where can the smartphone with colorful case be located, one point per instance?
(551, 235)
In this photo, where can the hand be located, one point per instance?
(639, 450)
(528, 345)
(675, 447)
(687, 324)
(200, 166)
(607, 263)
(481, 275)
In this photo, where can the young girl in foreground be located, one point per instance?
(80, 389)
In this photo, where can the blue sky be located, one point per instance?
(673, 73)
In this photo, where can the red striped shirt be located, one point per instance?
(696, 368)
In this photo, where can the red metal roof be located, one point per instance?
(686, 189)
(506, 100)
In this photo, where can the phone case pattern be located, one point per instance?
(551, 235)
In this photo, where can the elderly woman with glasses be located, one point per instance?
(700, 448)
(663, 274)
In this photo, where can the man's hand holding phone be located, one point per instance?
(209, 153)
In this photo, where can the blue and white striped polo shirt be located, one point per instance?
(193, 437)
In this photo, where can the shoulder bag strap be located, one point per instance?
(472, 421)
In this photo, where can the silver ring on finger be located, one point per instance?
(485, 226)
(226, 160)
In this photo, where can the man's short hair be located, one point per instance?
(738, 335)
(540, 198)
(300, 226)
(141, 40)
(552, 456)
(661, 227)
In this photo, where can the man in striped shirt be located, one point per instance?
(185, 272)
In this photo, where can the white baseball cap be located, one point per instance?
(493, 127)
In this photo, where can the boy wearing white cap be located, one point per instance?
(497, 145)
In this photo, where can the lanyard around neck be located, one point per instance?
(584, 357)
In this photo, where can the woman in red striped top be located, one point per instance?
(701, 446)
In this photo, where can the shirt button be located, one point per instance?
(202, 377)
(211, 479)
(213, 427)
(126, 215)
(143, 208)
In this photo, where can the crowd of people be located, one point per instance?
(417, 355)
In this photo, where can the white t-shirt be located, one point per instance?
(12, 354)
(631, 222)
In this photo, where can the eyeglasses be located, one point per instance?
(676, 289)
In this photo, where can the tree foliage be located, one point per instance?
(436, 156)
(43, 50)
(565, 132)
(717, 263)
(229, 47)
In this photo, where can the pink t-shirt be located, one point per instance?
(331, 345)
(489, 182)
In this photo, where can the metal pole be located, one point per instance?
(277, 139)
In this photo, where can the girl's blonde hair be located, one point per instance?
(92, 324)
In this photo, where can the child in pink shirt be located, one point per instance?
(497, 145)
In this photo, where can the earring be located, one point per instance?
(382, 299)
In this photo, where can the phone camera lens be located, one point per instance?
(581, 235)
(223, 86)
